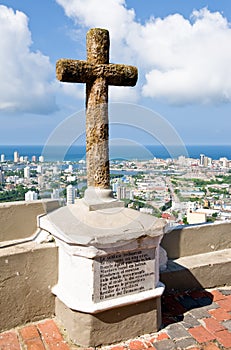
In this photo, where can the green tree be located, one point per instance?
(185, 221)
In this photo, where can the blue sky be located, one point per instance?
(181, 48)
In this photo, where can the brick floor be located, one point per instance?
(136, 345)
(52, 336)
(31, 338)
(201, 334)
(224, 338)
(193, 320)
(220, 314)
(212, 325)
(210, 346)
(9, 341)
(225, 303)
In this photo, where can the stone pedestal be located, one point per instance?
(108, 288)
(110, 326)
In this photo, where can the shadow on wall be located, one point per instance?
(178, 277)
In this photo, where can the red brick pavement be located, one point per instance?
(195, 320)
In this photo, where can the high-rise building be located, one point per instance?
(2, 158)
(27, 172)
(1, 175)
(202, 159)
(206, 161)
(115, 186)
(16, 157)
(41, 159)
(70, 194)
(34, 159)
(121, 192)
(31, 196)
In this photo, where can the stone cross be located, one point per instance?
(97, 73)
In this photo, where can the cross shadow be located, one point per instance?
(176, 303)
(185, 288)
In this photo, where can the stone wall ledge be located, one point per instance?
(28, 272)
(18, 220)
(199, 271)
(197, 239)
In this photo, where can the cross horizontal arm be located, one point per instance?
(76, 71)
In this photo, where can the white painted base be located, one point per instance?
(79, 276)
(90, 307)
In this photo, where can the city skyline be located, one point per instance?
(181, 49)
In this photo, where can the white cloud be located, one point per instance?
(25, 75)
(72, 90)
(111, 14)
(123, 94)
(196, 64)
(181, 61)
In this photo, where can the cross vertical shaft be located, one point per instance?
(97, 112)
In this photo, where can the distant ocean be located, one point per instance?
(76, 153)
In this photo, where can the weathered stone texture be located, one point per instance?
(98, 43)
(97, 134)
(72, 71)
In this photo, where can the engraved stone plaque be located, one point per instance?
(124, 273)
